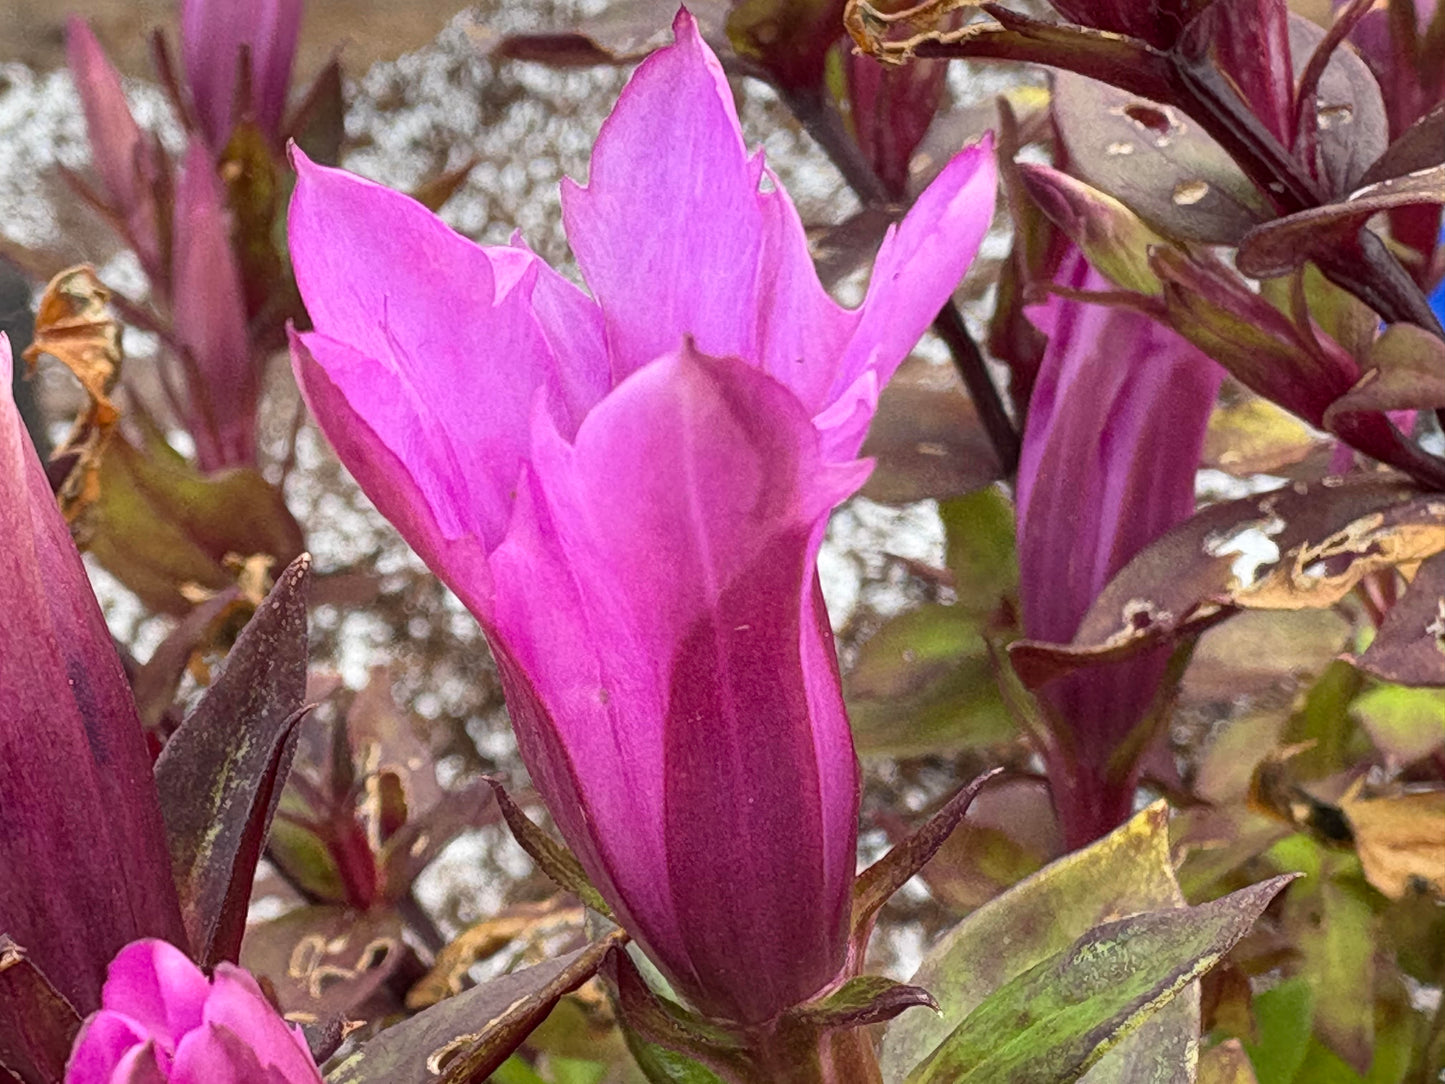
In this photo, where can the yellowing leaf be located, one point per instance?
(1400, 840)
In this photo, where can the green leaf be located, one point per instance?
(1283, 1017)
(1405, 724)
(1126, 872)
(554, 859)
(981, 552)
(1053, 1022)
(923, 684)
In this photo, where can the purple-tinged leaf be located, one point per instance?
(553, 858)
(1127, 872)
(623, 33)
(319, 125)
(926, 439)
(1156, 161)
(651, 1021)
(1113, 238)
(867, 999)
(463, 1039)
(37, 1024)
(1278, 247)
(220, 775)
(1249, 41)
(1347, 109)
(1420, 146)
(1405, 371)
(328, 960)
(1056, 1020)
(877, 884)
(1409, 648)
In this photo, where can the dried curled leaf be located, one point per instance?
(1400, 840)
(74, 325)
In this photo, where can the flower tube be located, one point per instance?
(1112, 443)
(629, 490)
(83, 861)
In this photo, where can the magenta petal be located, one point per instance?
(82, 848)
(662, 609)
(918, 267)
(156, 985)
(223, 383)
(238, 1008)
(668, 230)
(449, 326)
(107, 1041)
(386, 440)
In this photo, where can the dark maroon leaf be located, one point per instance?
(1351, 129)
(1420, 146)
(1249, 41)
(327, 960)
(1156, 161)
(1278, 247)
(463, 1039)
(319, 126)
(37, 1024)
(155, 684)
(1184, 581)
(221, 773)
(1409, 649)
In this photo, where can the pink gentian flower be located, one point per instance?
(162, 1020)
(1115, 427)
(629, 490)
(212, 35)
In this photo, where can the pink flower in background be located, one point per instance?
(213, 33)
(162, 1020)
(629, 490)
(1110, 451)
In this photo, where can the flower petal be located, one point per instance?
(392, 449)
(107, 1041)
(448, 326)
(238, 1007)
(662, 608)
(919, 266)
(668, 230)
(156, 985)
